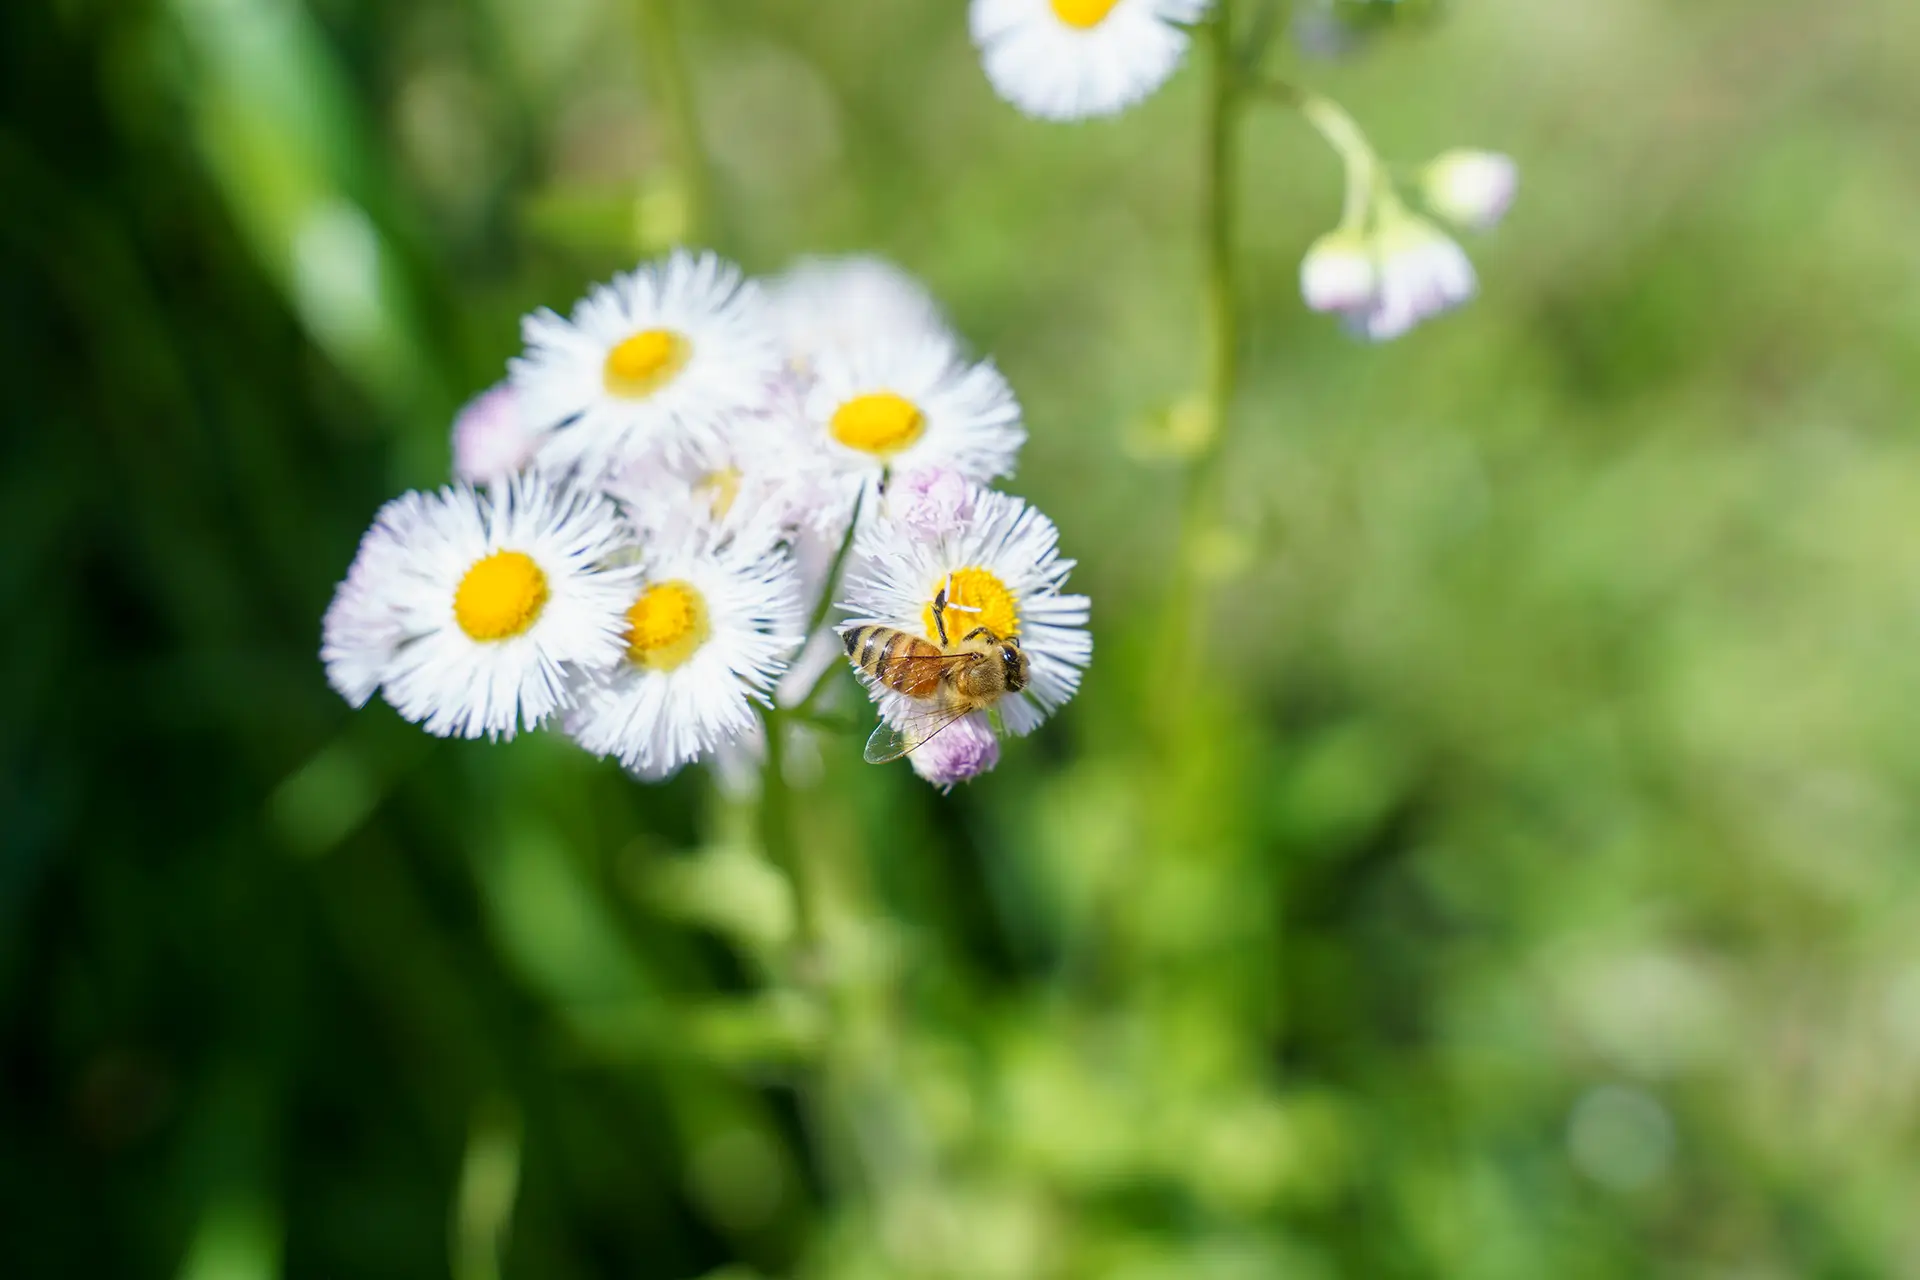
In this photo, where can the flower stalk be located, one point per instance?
(1186, 624)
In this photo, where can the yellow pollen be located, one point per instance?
(976, 598)
(719, 488)
(879, 422)
(645, 362)
(1084, 14)
(500, 596)
(666, 625)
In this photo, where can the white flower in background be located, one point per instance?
(1338, 272)
(842, 305)
(1471, 189)
(657, 362)
(491, 438)
(708, 630)
(473, 611)
(1422, 274)
(900, 406)
(1002, 571)
(960, 752)
(1070, 59)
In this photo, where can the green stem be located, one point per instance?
(776, 831)
(673, 98)
(776, 797)
(1223, 336)
(1331, 121)
(804, 708)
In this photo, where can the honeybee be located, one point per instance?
(952, 678)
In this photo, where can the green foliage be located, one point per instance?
(1521, 887)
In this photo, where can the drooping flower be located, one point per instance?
(655, 363)
(708, 630)
(1071, 59)
(1383, 284)
(1338, 272)
(1422, 273)
(491, 438)
(473, 611)
(1471, 189)
(1002, 570)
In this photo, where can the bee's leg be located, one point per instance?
(940, 611)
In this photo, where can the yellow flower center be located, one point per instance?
(719, 488)
(666, 625)
(500, 596)
(880, 422)
(1084, 14)
(645, 362)
(976, 598)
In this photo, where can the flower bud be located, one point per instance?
(1423, 273)
(963, 750)
(1471, 189)
(932, 502)
(491, 440)
(1338, 273)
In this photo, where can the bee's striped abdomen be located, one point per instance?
(902, 662)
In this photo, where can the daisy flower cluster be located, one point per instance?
(675, 485)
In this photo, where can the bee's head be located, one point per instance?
(1014, 659)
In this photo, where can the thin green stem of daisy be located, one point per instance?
(804, 708)
(1331, 121)
(776, 830)
(1222, 320)
(673, 97)
(1222, 190)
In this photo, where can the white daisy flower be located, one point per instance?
(491, 437)
(1002, 571)
(762, 473)
(1070, 59)
(655, 363)
(900, 406)
(364, 627)
(842, 305)
(707, 632)
(472, 611)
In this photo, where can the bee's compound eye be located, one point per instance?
(1009, 655)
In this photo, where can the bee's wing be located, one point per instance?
(890, 742)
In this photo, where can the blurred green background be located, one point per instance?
(1531, 892)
